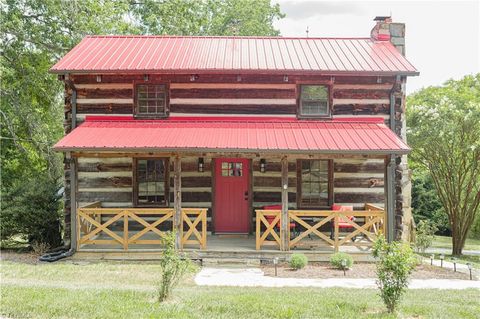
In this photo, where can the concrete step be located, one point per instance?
(230, 262)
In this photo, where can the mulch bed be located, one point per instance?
(21, 257)
(360, 270)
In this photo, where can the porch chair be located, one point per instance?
(270, 219)
(342, 224)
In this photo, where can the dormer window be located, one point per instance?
(314, 101)
(151, 100)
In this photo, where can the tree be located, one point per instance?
(445, 135)
(207, 17)
(425, 201)
(36, 34)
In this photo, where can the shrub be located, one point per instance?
(426, 203)
(31, 210)
(172, 265)
(475, 230)
(336, 260)
(424, 235)
(395, 263)
(298, 261)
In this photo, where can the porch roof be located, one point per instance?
(269, 135)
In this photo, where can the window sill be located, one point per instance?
(315, 117)
(150, 117)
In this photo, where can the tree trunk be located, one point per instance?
(458, 240)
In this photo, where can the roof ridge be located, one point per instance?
(221, 37)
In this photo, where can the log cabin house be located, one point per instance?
(253, 145)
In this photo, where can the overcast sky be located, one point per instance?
(442, 37)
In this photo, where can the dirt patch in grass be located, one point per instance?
(360, 270)
(20, 257)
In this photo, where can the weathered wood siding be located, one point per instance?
(267, 186)
(196, 186)
(109, 180)
(358, 181)
(229, 95)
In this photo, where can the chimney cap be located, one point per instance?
(382, 18)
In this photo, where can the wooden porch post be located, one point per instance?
(177, 200)
(390, 192)
(284, 224)
(73, 202)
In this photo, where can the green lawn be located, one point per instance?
(446, 242)
(115, 290)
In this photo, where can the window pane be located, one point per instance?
(314, 183)
(314, 92)
(314, 100)
(151, 176)
(151, 99)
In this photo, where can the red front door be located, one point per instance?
(231, 195)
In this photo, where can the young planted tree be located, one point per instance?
(173, 267)
(444, 133)
(395, 263)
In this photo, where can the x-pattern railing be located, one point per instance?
(199, 216)
(91, 225)
(267, 232)
(94, 226)
(367, 223)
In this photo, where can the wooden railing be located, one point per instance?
(131, 225)
(267, 232)
(321, 228)
(199, 216)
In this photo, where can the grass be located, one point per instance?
(446, 242)
(118, 290)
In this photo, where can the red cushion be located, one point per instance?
(273, 207)
(343, 224)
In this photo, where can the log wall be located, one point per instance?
(267, 186)
(110, 180)
(226, 95)
(357, 181)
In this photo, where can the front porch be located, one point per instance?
(140, 230)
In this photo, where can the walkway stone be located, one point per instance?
(254, 277)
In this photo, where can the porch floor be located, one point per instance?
(227, 243)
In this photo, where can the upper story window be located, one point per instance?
(151, 100)
(314, 101)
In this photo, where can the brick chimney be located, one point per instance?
(386, 30)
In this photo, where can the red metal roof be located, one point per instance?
(105, 54)
(279, 136)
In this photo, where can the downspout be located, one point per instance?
(63, 253)
(391, 196)
(74, 107)
(73, 206)
(73, 202)
(73, 100)
(73, 169)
